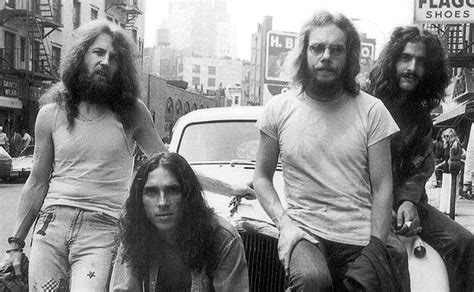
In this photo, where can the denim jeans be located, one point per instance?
(454, 243)
(322, 267)
(75, 245)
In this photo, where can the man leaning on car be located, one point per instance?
(334, 142)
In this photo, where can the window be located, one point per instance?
(10, 3)
(109, 18)
(211, 82)
(236, 100)
(9, 50)
(94, 13)
(196, 69)
(76, 17)
(22, 49)
(212, 70)
(186, 107)
(134, 35)
(56, 60)
(196, 81)
(57, 11)
(179, 108)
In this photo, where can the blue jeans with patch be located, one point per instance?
(72, 246)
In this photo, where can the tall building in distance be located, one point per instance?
(201, 27)
(196, 43)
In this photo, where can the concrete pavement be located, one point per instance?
(464, 208)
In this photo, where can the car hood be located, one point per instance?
(237, 175)
(22, 162)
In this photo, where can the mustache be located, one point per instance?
(410, 75)
(330, 69)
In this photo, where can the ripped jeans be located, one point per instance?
(72, 247)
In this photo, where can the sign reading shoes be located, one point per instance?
(444, 11)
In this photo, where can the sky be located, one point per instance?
(375, 17)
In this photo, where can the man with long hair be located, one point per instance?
(85, 134)
(171, 240)
(410, 77)
(334, 145)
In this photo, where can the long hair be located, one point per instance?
(297, 60)
(196, 228)
(383, 82)
(126, 78)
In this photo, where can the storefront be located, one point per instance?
(11, 105)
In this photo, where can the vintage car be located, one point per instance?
(5, 164)
(21, 165)
(222, 143)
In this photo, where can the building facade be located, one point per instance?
(168, 102)
(201, 28)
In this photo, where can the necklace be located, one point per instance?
(90, 119)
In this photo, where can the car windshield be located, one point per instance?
(220, 141)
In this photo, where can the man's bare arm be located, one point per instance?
(381, 181)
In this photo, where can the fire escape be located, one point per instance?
(128, 12)
(39, 21)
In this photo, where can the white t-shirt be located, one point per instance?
(324, 154)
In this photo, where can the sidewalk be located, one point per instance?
(464, 208)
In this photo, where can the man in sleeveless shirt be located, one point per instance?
(334, 144)
(83, 162)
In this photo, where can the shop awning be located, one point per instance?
(452, 117)
(11, 102)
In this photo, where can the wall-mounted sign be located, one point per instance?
(9, 87)
(444, 11)
(279, 44)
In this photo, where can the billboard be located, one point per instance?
(279, 44)
(444, 11)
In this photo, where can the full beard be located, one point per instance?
(93, 90)
(316, 87)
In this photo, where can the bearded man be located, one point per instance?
(410, 77)
(83, 161)
(334, 145)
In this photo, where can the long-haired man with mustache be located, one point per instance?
(410, 77)
(83, 161)
(334, 145)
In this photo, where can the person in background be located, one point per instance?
(410, 77)
(4, 142)
(452, 150)
(184, 245)
(334, 145)
(15, 143)
(26, 139)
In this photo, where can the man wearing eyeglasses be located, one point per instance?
(334, 144)
(410, 77)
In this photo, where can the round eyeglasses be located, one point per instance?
(335, 51)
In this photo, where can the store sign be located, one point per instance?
(444, 11)
(36, 92)
(9, 87)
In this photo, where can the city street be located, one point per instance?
(10, 195)
(9, 200)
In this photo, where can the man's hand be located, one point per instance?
(12, 258)
(290, 234)
(408, 221)
(244, 191)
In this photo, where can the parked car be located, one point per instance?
(5, 164)
(222, 143)
(21, 165)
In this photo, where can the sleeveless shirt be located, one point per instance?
(93, 163)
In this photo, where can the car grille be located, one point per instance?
(266, 273)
